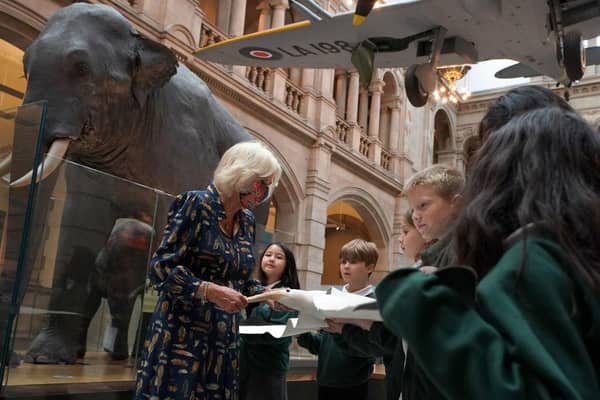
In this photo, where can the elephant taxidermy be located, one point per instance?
(119, 103)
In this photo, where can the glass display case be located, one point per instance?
(74, 252)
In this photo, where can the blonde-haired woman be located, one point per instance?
(202, 271)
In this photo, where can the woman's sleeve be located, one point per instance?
(527, 347)
(169, 268)
(251, 286)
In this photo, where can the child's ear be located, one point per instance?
(371, 268)
(458, 201)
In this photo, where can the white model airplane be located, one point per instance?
(314, 307)
(424, 35)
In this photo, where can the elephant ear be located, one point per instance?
(153, 66)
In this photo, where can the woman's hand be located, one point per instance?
(228, 299)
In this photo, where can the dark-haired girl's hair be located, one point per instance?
(540, 168)
(289, 278)
(518, 101)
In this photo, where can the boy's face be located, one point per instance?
(432, 214)
(411, 241)
(355, 273)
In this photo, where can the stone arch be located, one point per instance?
(17, 31)
(443, 138)
(288, 195)
(17, 27)
(368, 222)
(182, 33)
(369, 208)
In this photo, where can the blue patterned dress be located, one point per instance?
(192, 349)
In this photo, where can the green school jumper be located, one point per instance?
(378, 342)
(338, 365)
(530, 331)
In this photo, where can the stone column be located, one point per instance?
(224, 15)
(341, 82)
(363, 109)
(312, 233)
(376, 89)
(279, 7)
(236, 28)
(279, 74)
(352, 110)
(375, 144)
(352, 101)
(394, 145)
(308, 106)
(264, 20)
(395, 125)
(295, 75)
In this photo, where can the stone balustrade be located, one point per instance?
(210, 34)
(386, 160)
(342, 130)
(293, 97)
(364, 145)
(259, 77)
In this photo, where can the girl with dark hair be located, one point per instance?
(264, 359)
(531, 230)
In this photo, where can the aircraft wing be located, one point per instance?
(498, 29)
(520, 70)
(328, 43)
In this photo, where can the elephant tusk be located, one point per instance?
(53, 159)
(5, 165)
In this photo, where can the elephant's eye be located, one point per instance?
(82, 69)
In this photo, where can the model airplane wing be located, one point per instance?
(425, 35)
(314, 307)
(520, 70)
(328, 43)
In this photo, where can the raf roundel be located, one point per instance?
(260, 53)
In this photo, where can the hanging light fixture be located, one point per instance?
(447, 90)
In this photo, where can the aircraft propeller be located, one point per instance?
(363, 8)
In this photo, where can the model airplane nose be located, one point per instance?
(363, 8)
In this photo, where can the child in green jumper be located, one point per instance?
(264, 359)
(435, 198)
(342, 374)
(531, 229)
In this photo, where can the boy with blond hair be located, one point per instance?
(434, 195)
(435, 198)
(343, 374)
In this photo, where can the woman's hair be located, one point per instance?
(289, 278)
(243, 163)
(541, 168)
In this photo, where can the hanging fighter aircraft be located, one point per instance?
(424, 35)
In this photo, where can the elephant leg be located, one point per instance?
(124, 271)
(85, 226)
(120, 311)
(70, 311)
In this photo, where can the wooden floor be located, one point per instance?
(97, 373)
(96, 367)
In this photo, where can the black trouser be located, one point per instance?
(359, 392)
(259, 385)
